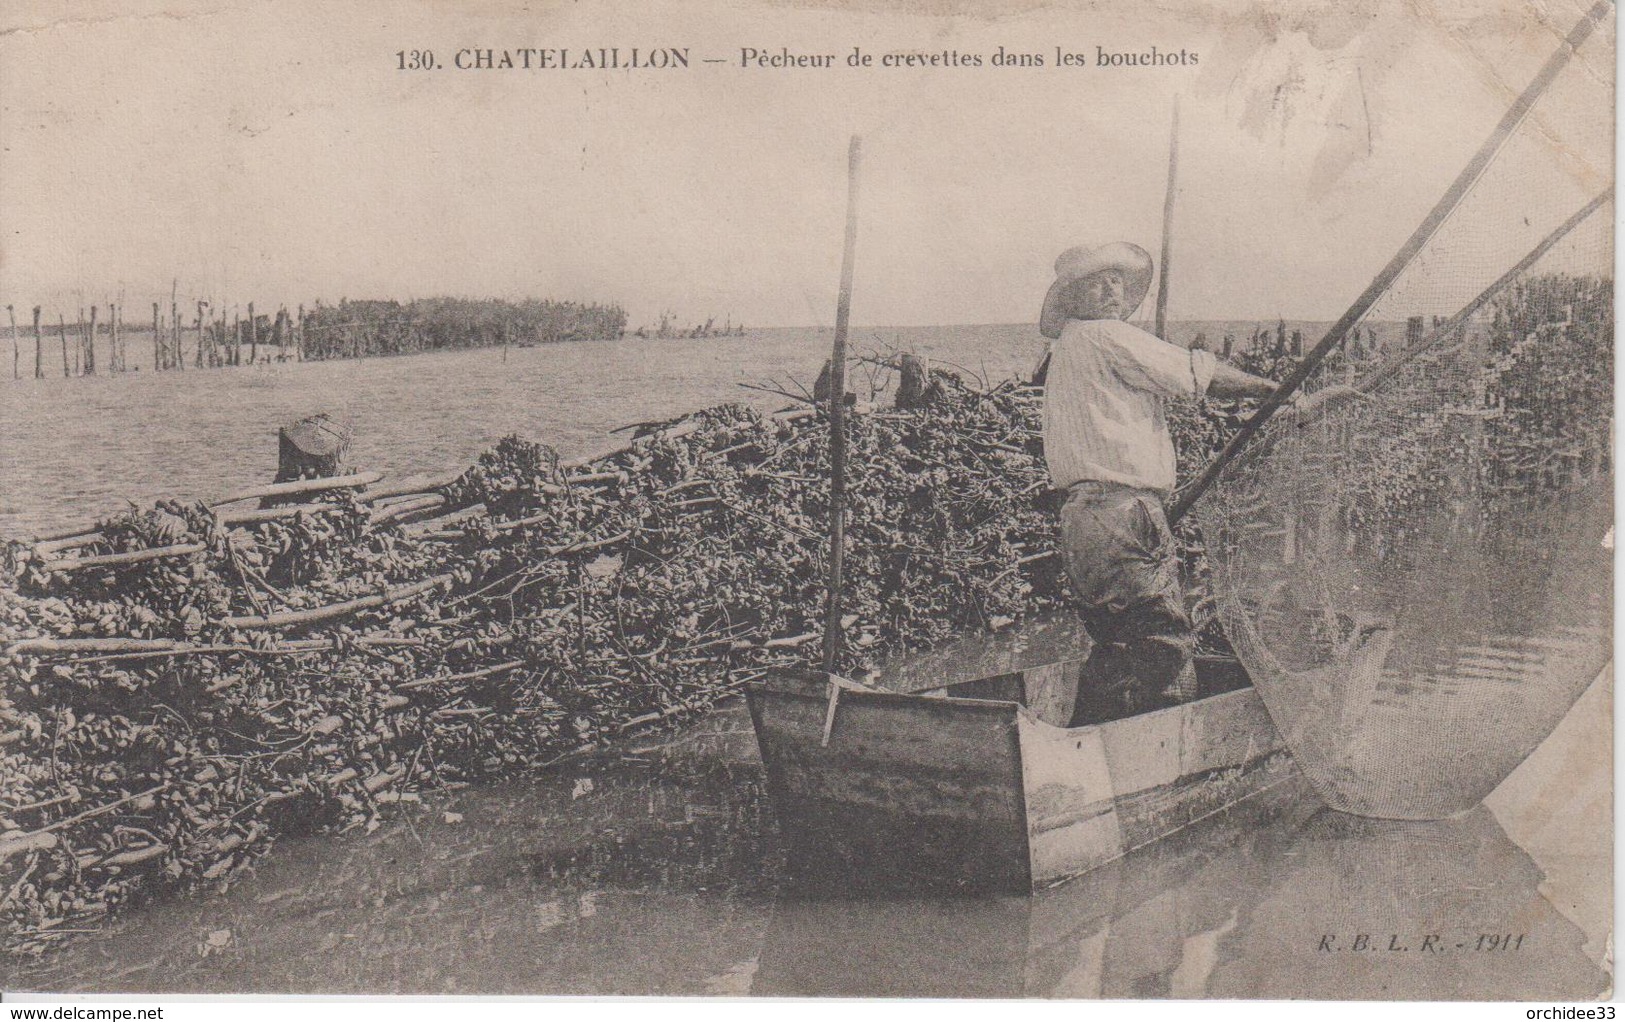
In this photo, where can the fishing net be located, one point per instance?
(1420, 584)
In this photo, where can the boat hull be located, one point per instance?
(887, 789)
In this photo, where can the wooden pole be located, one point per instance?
(90, 344)
(157, 341)
(236, 351)
(117, 355)
(1168, 225)
(39, 348)
(16, 351)
(79, 349)
(62, 328)
(1192, 492)
(176, 355)
(837, 416)
(198, 363)
(253, 336)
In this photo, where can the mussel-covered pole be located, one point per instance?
(837, 416)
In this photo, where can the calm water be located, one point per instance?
(77, 448)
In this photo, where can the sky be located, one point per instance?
(274, 152)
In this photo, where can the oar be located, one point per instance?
(837, 420)
(1168, 224)
(1192, 492)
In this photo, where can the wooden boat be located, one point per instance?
(973, 785)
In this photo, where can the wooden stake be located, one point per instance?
(1192, 492)
(39, 348)
(90, 344)
(16, 352)
(62, 328)
(176, 355)
(291, 618)
(253, 336)
(837, 416)
(129, 557)
(346, 482)
(1168, 225)
(157, 342)
(198, 363)
(117, 339)
(299, 334)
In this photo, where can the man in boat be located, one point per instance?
(1107, 444)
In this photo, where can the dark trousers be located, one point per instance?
(1124, 565)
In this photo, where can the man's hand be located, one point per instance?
(1310, 407)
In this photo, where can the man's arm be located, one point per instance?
(1230, 382)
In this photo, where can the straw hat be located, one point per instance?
(1079, 262)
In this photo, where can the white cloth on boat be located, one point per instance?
(1104, 417)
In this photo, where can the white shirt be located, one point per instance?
(1103, 403)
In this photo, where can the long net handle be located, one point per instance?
(1193, 491)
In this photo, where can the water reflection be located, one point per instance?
(1462, 881)
(658, 871)
(1271, 902)
(1088, 938)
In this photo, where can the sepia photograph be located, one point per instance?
(949, 499)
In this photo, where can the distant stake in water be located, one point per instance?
(39, 347)
(90, 344)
